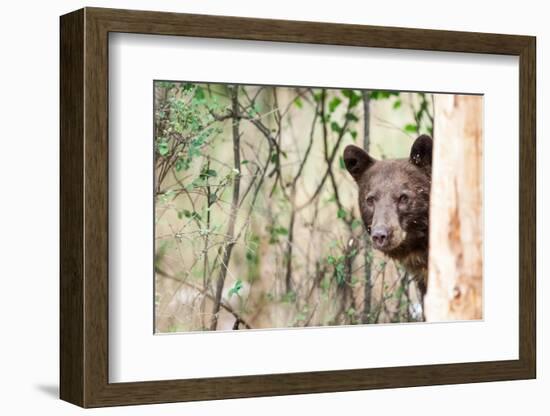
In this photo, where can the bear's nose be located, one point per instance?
(380, 236)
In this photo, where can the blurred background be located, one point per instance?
(256, 219)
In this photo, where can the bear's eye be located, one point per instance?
(403, 199)
(370, 201)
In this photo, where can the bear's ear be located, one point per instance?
(421, 152)
(357, 161)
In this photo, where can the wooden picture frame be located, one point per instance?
(84, 207)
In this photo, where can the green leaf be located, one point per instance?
(399, 292)
(353, 134)
(397, 104)
(353, 97)
(341, 213)
(188, 214)
(181, 164)
(347, 93)
(325, 284)
(188, 86)
(298, 102)
(163, 148)
(341, 162)
(281, 231)
(275, 232)
(199, 94)
(236, 288)
(198, 182)
(340, 275)
(381, 95)
(351, 117)
(254, 110)
(356, 223)
(411, 128)
(289, 297)
(251, 257)
(334, 103)
(211, 173)
(332, 198)
(354, 101)
(335, 127)
(300, 316)
(165, 84)
(212, 199)
(373, 95)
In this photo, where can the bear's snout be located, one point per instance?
(380, 236)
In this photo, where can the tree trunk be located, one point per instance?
(456, 252)
(230, 234)
(368, 250)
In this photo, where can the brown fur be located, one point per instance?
(394, 196)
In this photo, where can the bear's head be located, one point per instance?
(394, 197)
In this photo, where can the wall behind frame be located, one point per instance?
(30, 190)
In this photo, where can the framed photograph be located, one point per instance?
(257, 207)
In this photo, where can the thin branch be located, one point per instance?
(329, 159)
(288, 274)
(223, 305)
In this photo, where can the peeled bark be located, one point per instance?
(456, 233)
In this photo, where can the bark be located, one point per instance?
(229, 240)
(368, 250)
(456, 252)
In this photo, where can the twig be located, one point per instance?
(329, 159)
(223, 305)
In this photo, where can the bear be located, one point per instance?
(394, 203)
